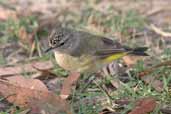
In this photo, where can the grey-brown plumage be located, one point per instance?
(84, 52)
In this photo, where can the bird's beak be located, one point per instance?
(49, 49)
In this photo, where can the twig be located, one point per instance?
(153, 12)
(152, 69)
(159, 31)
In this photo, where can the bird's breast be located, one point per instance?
(77, 64)
(65, 61)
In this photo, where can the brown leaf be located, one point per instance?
(26, 68)
(33, 94)
(34, 84)
(124, 101)
(155, 83)
(131, 60)
(21, 88)
(68, 84)
(144, 106)
(43, 66)
(45, 70)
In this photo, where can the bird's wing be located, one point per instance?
(110, 48)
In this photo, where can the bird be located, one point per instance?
(84, 52)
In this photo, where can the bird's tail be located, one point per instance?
(140, 51)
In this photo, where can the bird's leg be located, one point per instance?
(102, 88)
(90, 79)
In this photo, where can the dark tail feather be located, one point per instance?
(140, 51)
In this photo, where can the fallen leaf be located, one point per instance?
(144, 106)
(45, 70)
(21, 89)
(131, 60)
(124, 101)
(155, 83)
(68, 84)
(26, 68)
(34, 84)
(35, 96)
(43, 66)
(8, 71)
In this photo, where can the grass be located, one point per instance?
(127, 90)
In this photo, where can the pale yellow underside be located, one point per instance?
(84, 64)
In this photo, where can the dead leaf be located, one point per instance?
(26, 68)
(144, 106)
(131, 60)
(155, 83)
(124, 101)
(43, 66)
(68, 84)
(44, 69)
(34, 84)
(21, 97)
(33, 94)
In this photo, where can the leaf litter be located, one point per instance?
(32, 93)
(144, 106)
(35, 66)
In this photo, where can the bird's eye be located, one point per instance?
(53, 42)
(56, 39)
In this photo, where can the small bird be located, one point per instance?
(82, 52)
